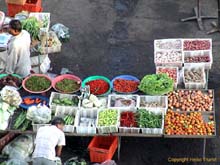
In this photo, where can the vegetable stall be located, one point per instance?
(173, 102)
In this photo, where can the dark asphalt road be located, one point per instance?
(112, 37)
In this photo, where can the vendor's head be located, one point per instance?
(15, 27)
(58, 122)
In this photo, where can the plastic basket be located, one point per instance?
(37, 126)
(125, 77)
(91, 78)
(102, 148)
(69, 77)
(14, 75)
(13, 9)
(39, 75)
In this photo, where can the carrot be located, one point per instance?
(37, 100)
(28, 101)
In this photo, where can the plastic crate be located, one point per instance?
(162, 102)
(153, 131)
(114, 97)
(102, 148)
(55, 95)
(176, 82)
(108, 129)
(42, 17)
(85, 113)
(13, 9)
(37, 126)
(200, 53)
(128, 129)
(61, 111)
(194, 85)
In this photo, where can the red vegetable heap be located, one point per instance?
(122, 85)
(188, 124)
(197, 45)
(204, 58)
(98, 87)
(128, 119)
(171, 72)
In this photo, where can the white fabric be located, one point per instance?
(48, 137)
(18, 60)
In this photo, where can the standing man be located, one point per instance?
(18, 59)
(49, 142)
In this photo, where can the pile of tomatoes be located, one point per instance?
(188, 124)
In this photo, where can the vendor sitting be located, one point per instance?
(18, 54)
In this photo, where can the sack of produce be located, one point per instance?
(11, 96)
(39, 114)
(20, 148)
(156, 84)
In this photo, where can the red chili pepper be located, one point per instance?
(128, 119)
(122, 85)
(98, 87)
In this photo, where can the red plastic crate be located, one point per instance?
(102, 148)
(35, 6)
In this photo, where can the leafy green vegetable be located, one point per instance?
(66, 101)
(148, 119)
(32, 25)
(156, 84)
(37, 83)
(67, 85)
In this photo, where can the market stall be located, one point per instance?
(173, 103)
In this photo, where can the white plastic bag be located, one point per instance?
(45, 66)
(39, 114)
(20, 148)
(61, 31)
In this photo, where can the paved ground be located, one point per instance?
(112, 37)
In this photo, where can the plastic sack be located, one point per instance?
(61, 31)
(11, 96)
(16, 162)
(107, 162)
(20, 148)
(45, 66)
(39, 114)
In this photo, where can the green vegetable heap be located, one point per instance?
(108, 117)
(32, 25)
(66, 101)
(69, 120)
(67, 85)
(148, 119)
(156, 84)
(37, 83)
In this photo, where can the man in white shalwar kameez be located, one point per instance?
(18, 59)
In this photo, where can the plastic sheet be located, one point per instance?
(61, 31)
(20, 148)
